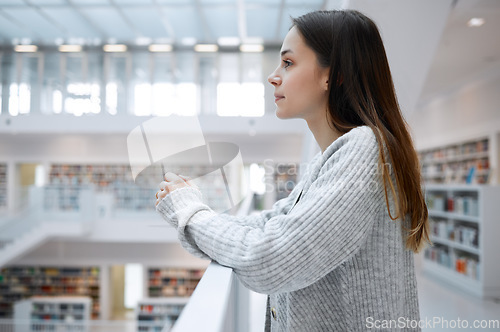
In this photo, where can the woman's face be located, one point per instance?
(300, 84)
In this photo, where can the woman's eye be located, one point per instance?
(286, 63)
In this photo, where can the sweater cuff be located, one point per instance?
(181, 207)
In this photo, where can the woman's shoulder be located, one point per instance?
(358, 139)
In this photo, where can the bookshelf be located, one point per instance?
(172, 281)
(464, 222)
(52, 314)
(22, 282)
(154, 314)
(128, 194)
(3, 186)
(471, 161)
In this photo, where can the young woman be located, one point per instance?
(337, 254)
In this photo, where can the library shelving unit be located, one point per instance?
(23, 282)
(172, 281)
(472, 161)
(3, 186)
(129, 194)
(52, 314)
(155, 314)
(465, 223)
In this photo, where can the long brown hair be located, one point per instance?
(361, 92)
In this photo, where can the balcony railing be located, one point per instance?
(220, 303)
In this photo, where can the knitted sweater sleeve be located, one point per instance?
(292, 250)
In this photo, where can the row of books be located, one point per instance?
(175, 273)
(58, 307)
(22, 282)
(456, 150)
(463, 264)
(171, 290)
(466, 205)
(161, 309)
(38, 271)
(464, 235)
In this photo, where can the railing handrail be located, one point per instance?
(208, 305)
(213, 304)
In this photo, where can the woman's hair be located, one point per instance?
(361, 92)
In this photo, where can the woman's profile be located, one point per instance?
(338, 253)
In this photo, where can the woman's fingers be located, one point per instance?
(171, 182)
(188, 181)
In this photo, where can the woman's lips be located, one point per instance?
(278, 98)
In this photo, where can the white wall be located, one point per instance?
(470, 112)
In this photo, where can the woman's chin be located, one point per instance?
(281, 115)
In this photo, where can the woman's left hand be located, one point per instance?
(171, 183)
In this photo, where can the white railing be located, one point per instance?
(49, 203)
(220, 303)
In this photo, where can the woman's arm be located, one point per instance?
(291, 251)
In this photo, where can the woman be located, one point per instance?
(337, 254)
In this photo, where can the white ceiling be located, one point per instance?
(465, 54)
(94, 21)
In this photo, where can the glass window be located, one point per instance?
(163, 88)
(185, 92)
(141, 83)
(240, 91)
(116, 67)
(51, 91)
(23, 80)
(208, 83)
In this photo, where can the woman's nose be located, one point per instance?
(274, 79)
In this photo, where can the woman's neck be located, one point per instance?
(323, 133)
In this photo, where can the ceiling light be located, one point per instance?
(70, 48)
(114, 48)
(206, 48)
(160, 48)
(26, 48)
(475, 22)
(252, 48)
(228, 41)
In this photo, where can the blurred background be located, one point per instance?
(81, 247)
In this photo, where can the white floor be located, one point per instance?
(439, 302)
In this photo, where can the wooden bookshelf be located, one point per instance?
(22, 282)
(3, 186)
(172, 282)
(464, 225)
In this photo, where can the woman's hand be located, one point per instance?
(172, 182)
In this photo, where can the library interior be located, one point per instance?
(96, 94)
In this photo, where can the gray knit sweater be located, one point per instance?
(334, 261)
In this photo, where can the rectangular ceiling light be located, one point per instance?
(251, 48)
(26, 48)
(115, 48)
(206, 48)
(160, 48)
(70, 48)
